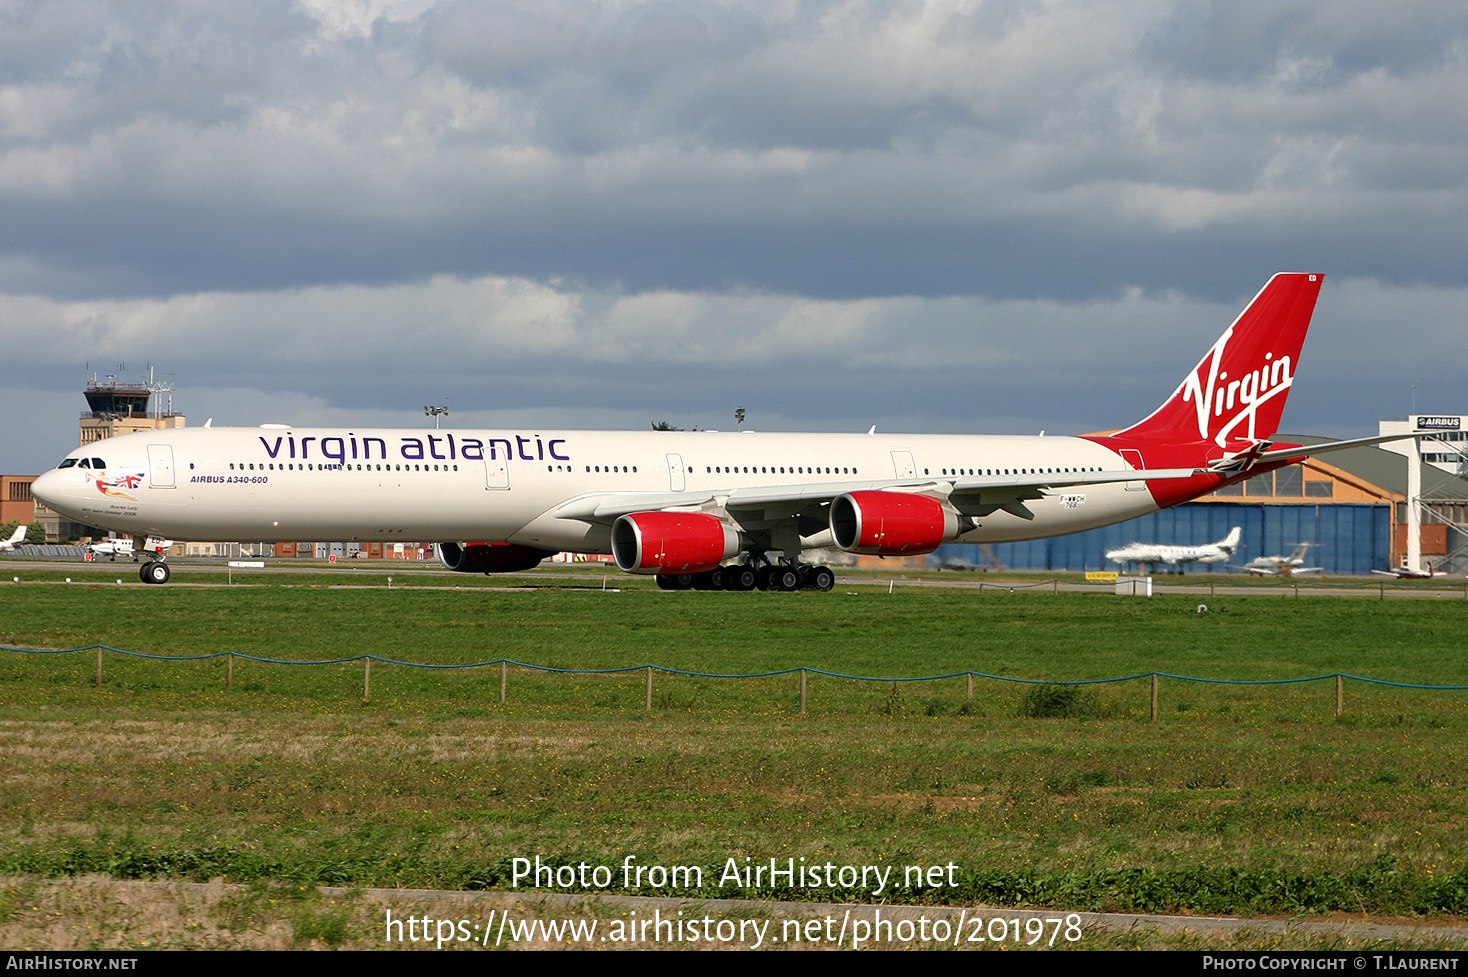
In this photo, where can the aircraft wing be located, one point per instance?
(983, 495)
(975, 495)
(606, 507)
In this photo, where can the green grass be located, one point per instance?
(1238, 799)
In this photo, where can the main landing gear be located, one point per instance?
(742, 576)
(154, 571)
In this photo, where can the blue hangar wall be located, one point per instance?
(1349, 538)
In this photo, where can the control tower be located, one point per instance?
(119, 407)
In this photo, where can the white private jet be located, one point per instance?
(1281, 566)
(1150, 554)
(114, 546)
(16, 538)
(700, 509)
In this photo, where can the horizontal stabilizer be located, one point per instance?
(1306, 451)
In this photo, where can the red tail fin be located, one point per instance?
(1237, 392)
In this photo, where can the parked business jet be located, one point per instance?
(16, 538)
(1150, 554)
(1281, 566)
(114, 546)
(699, 509)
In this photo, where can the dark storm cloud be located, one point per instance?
(1242, 41)
(835, 149)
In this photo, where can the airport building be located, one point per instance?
(115, 408)
(15, 499)
(1446, 450)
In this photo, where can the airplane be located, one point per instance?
(114, 546)
(1410, 573)
(1281, 566)
(705, 509)
(16, 538)
(1151, 554)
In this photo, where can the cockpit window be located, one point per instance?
(98, 463)
(85, 463)
(67, 463)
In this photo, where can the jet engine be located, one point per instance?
(490, 557)
(891, 523)
(671, 542)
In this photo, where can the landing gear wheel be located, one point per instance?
(784, 578)
(740, 577)
(675, 581)
(822, 578)
(155, 571)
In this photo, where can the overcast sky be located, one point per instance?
(988, 217)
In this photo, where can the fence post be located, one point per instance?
(99, 667)
(802, 692)
(1340, 694)
(971, 686)
(504, 667)
(367, 678)
(1154, 698)
(228, 671)
(649, 688)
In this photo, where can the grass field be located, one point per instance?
(1239, 799)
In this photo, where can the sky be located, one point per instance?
(961, 217)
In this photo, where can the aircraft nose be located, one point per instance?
(46, 487)
(56, 491)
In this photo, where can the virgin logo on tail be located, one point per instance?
(1215, 394)
(1237, 391)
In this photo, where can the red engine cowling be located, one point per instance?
(891, 523)
(490, 557)
(671, 542)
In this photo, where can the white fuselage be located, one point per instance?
(274, 483)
